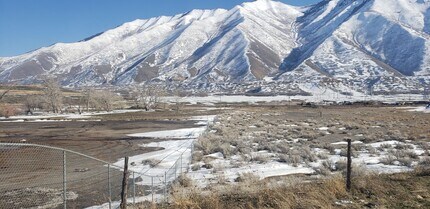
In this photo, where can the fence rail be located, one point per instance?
(34, 175)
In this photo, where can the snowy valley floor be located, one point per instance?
(260, 144)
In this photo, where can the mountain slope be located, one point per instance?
(361, 45)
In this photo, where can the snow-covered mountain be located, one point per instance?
(346, 46)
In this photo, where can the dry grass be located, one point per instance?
(404, 190)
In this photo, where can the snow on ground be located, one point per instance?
(419, 109)
(168, 163)
(116, 204)
(173, 151)
(65, 117)
(184, 133)
(323, 95)
(345, 143)
(390, 142)
(204, 177)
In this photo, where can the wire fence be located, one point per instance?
(38, 176)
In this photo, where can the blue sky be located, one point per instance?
(26, 25)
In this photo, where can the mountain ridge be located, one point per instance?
(358, 44)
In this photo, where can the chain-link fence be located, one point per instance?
(38, 176)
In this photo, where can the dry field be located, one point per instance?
(239, 157)
(247, 136)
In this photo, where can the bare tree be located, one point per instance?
(3, 93)
(53, 95)
(88, 97)
(104, 100)
(177, 101)
(31, 103)
(147, 97)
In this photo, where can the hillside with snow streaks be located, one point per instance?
(344, 46)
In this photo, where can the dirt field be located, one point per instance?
(37, 171)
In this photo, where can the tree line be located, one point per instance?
(53, 99)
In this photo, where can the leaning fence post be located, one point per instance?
(134, 189)
(109, 188)
(124, 185)
(64, 180)
(348, 167)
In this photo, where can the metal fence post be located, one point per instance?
(180, 172)
(109, 188)
(165, 185)
(191, 156)
(176, 169)
(152, 188)
(64, 180)
(134, 189)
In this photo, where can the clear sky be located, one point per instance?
(26, 25)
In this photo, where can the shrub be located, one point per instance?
(291, 158)
(344, 152)
(322, 156)
(224, 148)
(197, 156)
(151, 162)
(8, 111)
(329, 165)
(341, 165)
(308, 155)
(295, 160)
(184, 181)
(247, 177)
(207, 166)
(331, 148)
(283, 147)
(322, 170)
(403, 154)
(195, 167)
(283, 158)
(261, 158)
(425, 161)
(405, 162)
(351, 126)
(385, 146)
(404, 146)
(372, 150)
(423, 168)
(396, 135)
(387, 160)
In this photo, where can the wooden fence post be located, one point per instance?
(124, 185)
(348, 167)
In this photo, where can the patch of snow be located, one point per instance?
(345, 143)
(185, 133)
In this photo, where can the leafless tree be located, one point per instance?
(31, 103)
(52, 94)
(104, 100)
(147, 97)
(88, 97)
(3, 93)
(177, 101)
